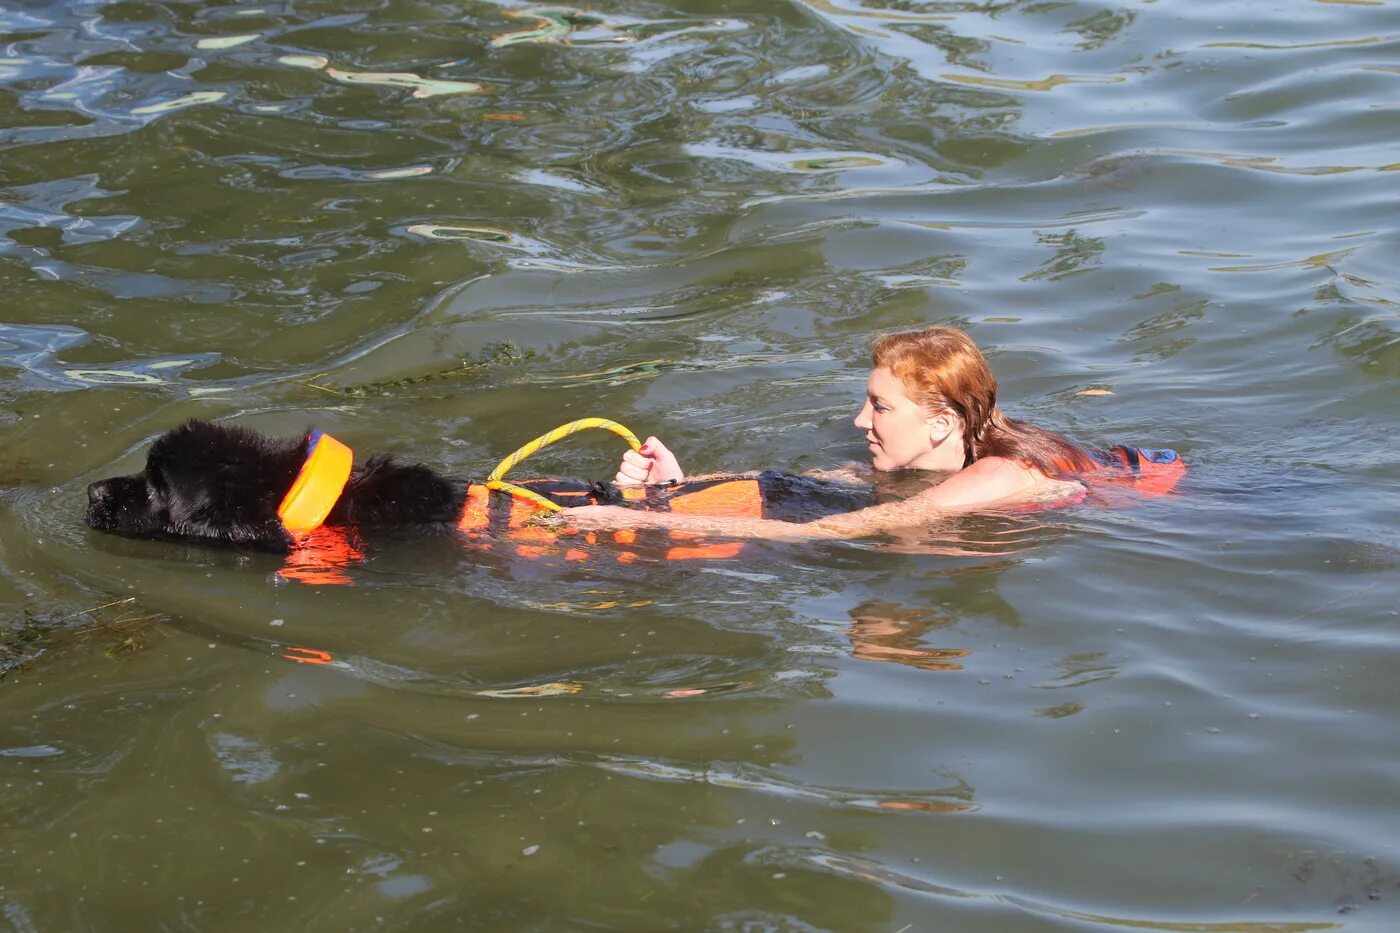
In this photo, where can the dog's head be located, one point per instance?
(203, 482)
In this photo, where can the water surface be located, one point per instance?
(440, 229)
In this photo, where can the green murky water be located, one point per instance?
(441, 228)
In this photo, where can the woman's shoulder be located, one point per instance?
(1002, 473)
(987, 480)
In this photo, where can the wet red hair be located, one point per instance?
(942, 369)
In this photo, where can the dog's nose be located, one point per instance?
(97, 492)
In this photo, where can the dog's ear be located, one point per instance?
(220, 482)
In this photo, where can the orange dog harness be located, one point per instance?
(489, 517)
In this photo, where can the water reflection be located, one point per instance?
(885, 631)
(1075, 253)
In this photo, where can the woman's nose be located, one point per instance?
(863, 421)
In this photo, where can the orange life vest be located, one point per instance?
(1148, 471)
(490, 519)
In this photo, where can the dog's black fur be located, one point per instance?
(220, 483)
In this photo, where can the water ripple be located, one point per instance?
(956, 799)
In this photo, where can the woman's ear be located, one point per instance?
(942, 423)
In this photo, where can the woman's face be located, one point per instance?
(901, 433)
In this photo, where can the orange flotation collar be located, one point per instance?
(318, 486)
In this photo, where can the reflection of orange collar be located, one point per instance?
(318, 485)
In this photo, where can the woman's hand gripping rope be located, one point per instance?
(652, 464)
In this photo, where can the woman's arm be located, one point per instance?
(857, 524)
(987, 483)
(852, 472)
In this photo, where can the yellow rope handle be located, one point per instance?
(494, 480)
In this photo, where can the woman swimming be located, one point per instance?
(930, 405)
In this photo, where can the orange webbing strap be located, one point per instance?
(475, 514)
(530, 540)
(481, 507)
(734, 498)
(481, 511)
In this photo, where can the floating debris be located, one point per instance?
(422, 87)
(835, 164)
(552, 24)
(1094, 392)
(30, 751)
(957, 798)
(923, 806)
(315, 62)
(227, 42)
(1058, 712)
(113, 377)
(796, 160)
(540, 690)
(572, 27)
(179, 103)
(141, 373)
(456, 232)
(411, 171)
(1041, 84)
(493, 355)
(319, 172)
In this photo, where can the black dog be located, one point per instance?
(221, 483)
(217, 483)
